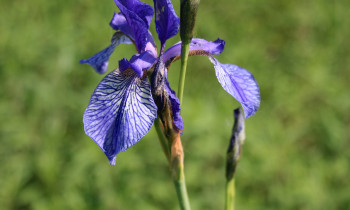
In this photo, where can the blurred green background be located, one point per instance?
(296, 155)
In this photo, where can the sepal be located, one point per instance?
(197, 47)
(240, 84)
(121, 112)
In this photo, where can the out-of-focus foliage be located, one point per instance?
(296, 155)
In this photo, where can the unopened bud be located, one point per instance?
(235, 146)
(188, 13)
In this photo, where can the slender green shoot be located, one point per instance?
(230, 194)
(162, 139)
(185, 47)
(181, 190)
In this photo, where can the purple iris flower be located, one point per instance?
(122, 110)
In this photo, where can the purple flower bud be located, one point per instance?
(235, 147)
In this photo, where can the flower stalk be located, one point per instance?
(230, 194)
(162, 138)
(169, 134)
(178, 172)
(172, 147)
(185, 48)
(233, 157)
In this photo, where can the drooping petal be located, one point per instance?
(239, 83)
(138, 62)
(138, 15)
(163, 95)
(121, 112)
(197, 47)
(167, 22)
(175, 105)
(100, 60)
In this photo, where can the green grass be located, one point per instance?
(296, 155)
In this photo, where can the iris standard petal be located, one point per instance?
(144, 11)
(138, 62)
(239, 83)
(138, 22)
(121, 112)
(167, 22)
(119, 22)
(100, 60)
(197, 47)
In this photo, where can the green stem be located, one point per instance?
(162, 139)
(185, 48)
(230, 194)
(177, 171)
(173, 151)
(181, 191)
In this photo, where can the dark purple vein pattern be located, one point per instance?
(121, 112)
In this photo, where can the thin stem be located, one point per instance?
(178, 174)
(230, 194)
(173, 151)
(162, 139)
(185, 48)
(181, 191)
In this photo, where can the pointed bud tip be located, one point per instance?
(188, 13)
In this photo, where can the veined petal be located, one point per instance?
(121, 112)
(167, 22)
(138, 62)
(138, 15)
(197, 47)
(239, 83)
(100, 60)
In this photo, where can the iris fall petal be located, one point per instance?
(239, 83)
(121, 112)
(197, 46)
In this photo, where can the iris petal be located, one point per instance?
(239, 83)
(143, 10)
(138, 62)
(121, 112)
(197, 46)
(175, 106)
(119, 22)
(138, 15)
(100, 60)
(167, 22)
